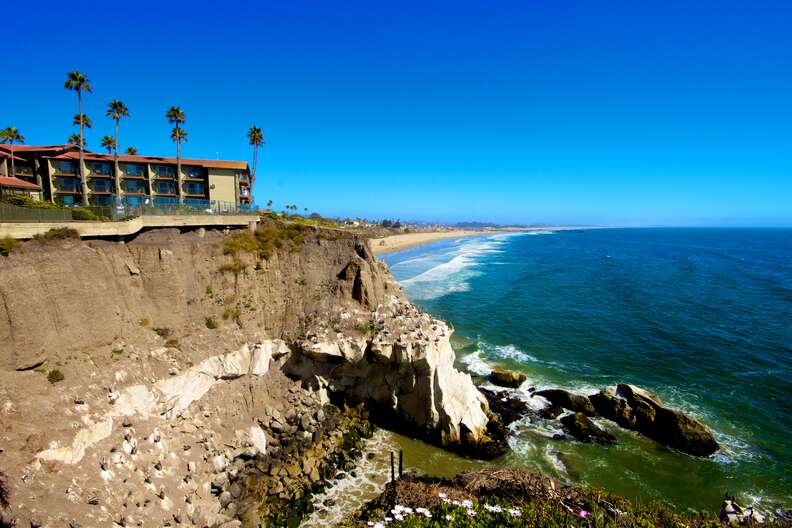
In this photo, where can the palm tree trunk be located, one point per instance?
(255, 162)
(117, 175)
(178, 169)
(82, 154)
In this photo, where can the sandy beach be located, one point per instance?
(393, 243)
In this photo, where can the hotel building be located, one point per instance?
(53, 172)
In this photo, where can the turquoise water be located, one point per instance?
(702, 317)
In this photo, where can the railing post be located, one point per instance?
(401, 462)
(393, 471)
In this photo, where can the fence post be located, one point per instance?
(393, 471)
(401, 462)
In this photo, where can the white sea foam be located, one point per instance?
(452, 275)
(348, 493)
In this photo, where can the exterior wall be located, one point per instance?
(4, 167)
(223, 186)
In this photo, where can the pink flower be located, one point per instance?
(584, 514)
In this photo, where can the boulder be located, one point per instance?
(639, 410)
(581, 427)
(507, 378)
(505, 405)
(567, 400)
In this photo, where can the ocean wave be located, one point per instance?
(453, 275)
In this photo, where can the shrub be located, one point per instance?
(231, 313)
(172, 342)
(117, 350)
(86, 214)
(211, 324)
(55, 376)
(144, 321)
(57, 233)
(26, 201)
(6, 245)
(266, 240)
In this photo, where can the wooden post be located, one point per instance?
(401, 462)
(393, 471)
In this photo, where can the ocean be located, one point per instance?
(701, 317)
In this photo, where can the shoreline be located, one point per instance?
(401, 242)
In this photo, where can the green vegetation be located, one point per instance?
(256, 139)
(232, 313)
(25, 201)
(115, 111)
(6, 245)
(57, 233)
(144, 321)
(211, 323)
(87, 214)
(265, 241)
(172, 342)
(117, 350)
(366, 328)
(55, 376)
(315, 220)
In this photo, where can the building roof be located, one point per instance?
(71, 152)
(8, 181)
(9, 156)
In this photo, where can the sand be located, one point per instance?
(393, 243)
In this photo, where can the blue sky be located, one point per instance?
(624, 113)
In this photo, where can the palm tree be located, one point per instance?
(176, 117)
(82, 119)
(78, 82)
(9, 135)
(115, 111)
(256, 139)
(132, 151)
(269, 203)
(74, 139)
(109, 143)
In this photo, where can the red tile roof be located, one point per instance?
(125, 158)
(8, 181)
(9, 156)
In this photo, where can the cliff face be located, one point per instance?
(170, 399)
(70, 296)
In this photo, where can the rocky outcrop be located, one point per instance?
(567, 400)
(402, 366)
(505, 405)
(639, 410)
(582, 428)
(506, 378)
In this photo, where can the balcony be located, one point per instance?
(134, 187)
(136, 172)
(100, 170)
(195, 174)
(26, 171)
(164, 173)
(67, 185)
(65, 169)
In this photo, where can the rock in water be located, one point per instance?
(567, 400)
(581, 427)
(639, 410)
(506, 406)
(507, 378)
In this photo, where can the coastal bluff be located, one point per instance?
(172, 377)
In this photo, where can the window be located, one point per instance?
(100, 168)
(195, 188)
(101, 186)
(134, 201)
(65, 167)
(136, 171)
(165, 187)
(164, 171)
(135, 186)
(194, 172)
(67, 185)
(23, 170)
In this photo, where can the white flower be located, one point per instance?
(471, 513)
(398, 517)
(442, 495)
(515, 512)
(449, 517)
(466, 503)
